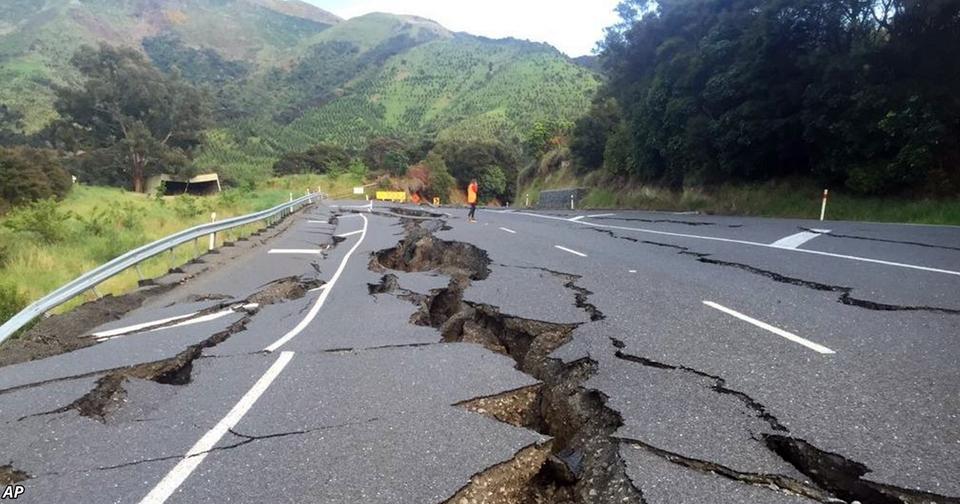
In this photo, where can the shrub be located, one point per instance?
(42, 218)
(11, 301)
(31, 174)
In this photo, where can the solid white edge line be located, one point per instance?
(601, 215)
(816, 347)
(294, 251)
(199, 320)
(508, 230)
(344, 235)
(565, 249)
(323, 295)
(755, 244)
(139, 327)
(172, 481)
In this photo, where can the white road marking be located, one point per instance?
(508, 230)
(295, 251)
(190, 321)
(601, 215)
(139, 327)
(169, 484)
(565, 249)
(633, 271)
(317, 222)
(575, 219)
(775, 330)
(754, 244)
(344, 235)
(795, 240)
(323, 295)
(348, 215)
(324, 286)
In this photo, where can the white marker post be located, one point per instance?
(213, 236)
(571, 202)
(528, 201)
(823, 206)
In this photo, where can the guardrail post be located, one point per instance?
(196, 248)
(96, 292)
(172, 260)
(139, 272)
(213, 236)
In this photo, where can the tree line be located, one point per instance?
(863, 94)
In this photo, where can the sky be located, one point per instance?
(573, 26)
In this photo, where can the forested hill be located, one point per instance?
(284, 75)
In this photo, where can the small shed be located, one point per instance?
(200, 185)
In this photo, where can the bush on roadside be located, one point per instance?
(42, 218)
(11, 301)
(28, 174)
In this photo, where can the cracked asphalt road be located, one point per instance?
(355, 403)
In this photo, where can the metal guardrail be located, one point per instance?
(96, 276)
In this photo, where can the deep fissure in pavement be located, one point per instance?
(582, 462)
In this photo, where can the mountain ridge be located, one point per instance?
(285, 75)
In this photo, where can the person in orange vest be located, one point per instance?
(472, 191)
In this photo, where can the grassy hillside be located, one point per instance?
(393, 76)
(42, 248)
(285, 76)
(38, 37)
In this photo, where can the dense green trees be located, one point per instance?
(861, 93)
(321, 158)
(129, 112)
(493, 164)
(28, 174)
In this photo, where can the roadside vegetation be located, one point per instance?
(754, 107)
(48, 243)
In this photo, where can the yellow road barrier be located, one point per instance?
(398, 196)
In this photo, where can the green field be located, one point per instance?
(96, 224)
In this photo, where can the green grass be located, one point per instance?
(786, 199)
(34, 267)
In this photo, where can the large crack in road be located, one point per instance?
(582, 463)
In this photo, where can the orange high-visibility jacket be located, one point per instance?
(472, 193)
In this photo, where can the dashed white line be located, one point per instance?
(574, 252)
(169, 484)
(294, 251)
(317, 222)
(344, 235)
(633, 271)
(601, 215)
(816, 347)
(323, 295)
(508, 230)
(795, 240)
